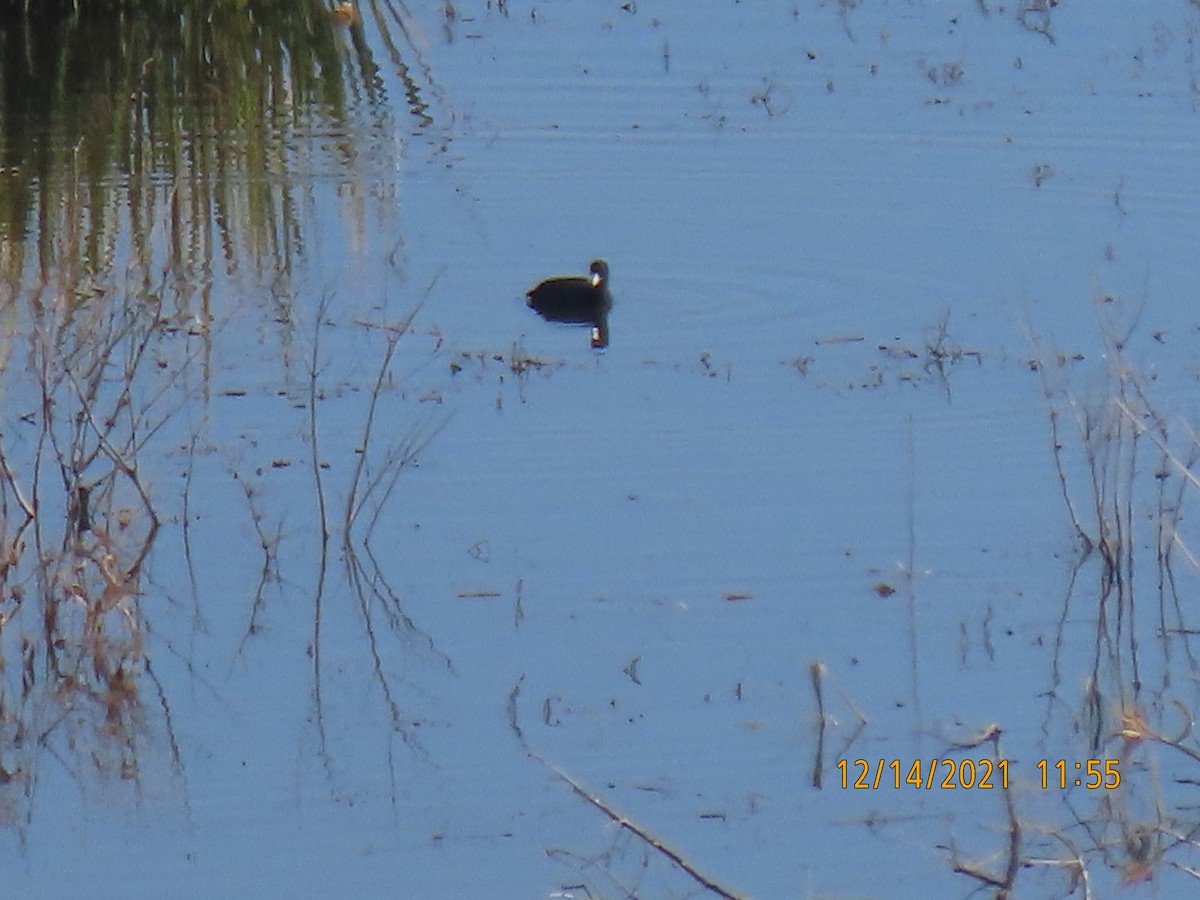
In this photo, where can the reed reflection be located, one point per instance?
(147, 153)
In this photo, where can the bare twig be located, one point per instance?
(607, 809)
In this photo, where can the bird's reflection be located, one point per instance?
(577, 301)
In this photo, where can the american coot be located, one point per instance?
(577, 301)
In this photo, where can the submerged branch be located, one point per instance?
(638, 831)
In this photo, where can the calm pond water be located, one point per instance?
(331, 569)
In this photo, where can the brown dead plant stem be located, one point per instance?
(370, 486)
(105, 387)
(640, 832)
(1126, 472)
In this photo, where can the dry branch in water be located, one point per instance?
(638, 831)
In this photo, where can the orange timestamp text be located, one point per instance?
(971, 774)
(927, 774)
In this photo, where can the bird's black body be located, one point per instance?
(577, 301)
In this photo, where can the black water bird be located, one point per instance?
(577, 301)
